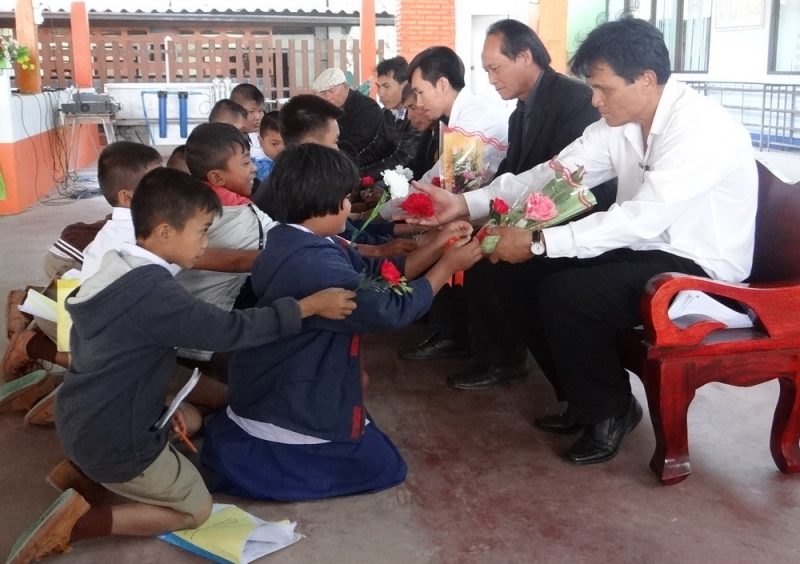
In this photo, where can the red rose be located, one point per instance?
(390, 273)
(367, 181)
(437, 181)
(500, 206)
(418, 205)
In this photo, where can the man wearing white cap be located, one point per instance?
(362, 132)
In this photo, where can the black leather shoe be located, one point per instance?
(484, 376)
(562, 423)
(435, 346)
(601, 441)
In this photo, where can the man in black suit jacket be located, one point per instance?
(552, 111)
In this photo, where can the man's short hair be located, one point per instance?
(121, 166)
(226, 109)
(304, 115)
(629, 45)
(166, 195)
(308, 180)
(408, 94)
(246, 92)
(210, 145)
(270, 122)
(398, 66)
(518, 37)
(437, 62)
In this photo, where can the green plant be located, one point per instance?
(12, 52)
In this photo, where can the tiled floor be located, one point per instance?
(483, 486)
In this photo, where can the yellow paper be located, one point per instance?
(63, 318)
(224, 534)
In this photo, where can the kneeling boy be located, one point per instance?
(128, 319)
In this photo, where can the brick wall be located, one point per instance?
(424, 23)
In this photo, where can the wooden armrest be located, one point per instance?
(775, 306)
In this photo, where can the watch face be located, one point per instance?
(537, 248)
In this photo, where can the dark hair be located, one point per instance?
(166, 195)
(437, 62)
(179, 154)
(121, 166)
(629, 45)
(247, 92)
(270, 122)
(408, 92)
(398, 66)
(305, 114)
(225, 109)
(518, 37)
(308, 180)
(210, 145)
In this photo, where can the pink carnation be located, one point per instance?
(539, 207)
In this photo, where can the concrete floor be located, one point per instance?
(484, 486)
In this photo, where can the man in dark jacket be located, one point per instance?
(362, 130)
(552, 111)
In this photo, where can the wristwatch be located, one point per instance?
(537, 244)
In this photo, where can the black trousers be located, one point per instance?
(569, 311)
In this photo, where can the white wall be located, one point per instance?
(472, 19)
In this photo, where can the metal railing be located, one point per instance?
(770, 112)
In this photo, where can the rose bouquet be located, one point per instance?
(469, 159)
(561, 199)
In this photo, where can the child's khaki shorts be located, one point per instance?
(170, 481)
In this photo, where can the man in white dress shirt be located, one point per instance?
(686, 202)
(437, 76)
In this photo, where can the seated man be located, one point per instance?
(686, 202)
(362, 131)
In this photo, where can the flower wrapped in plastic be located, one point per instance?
(561, 199)
(397, 183)
(468, 159)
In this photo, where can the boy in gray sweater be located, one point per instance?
(128, 319)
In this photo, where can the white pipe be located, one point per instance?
(167, 39)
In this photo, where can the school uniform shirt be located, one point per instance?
(692, 192)
(477, 114)
(239, 228)
(256, 152)
(117, 232)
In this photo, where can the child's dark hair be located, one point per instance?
(225, 109)
(121, 166)
(270, 122)
(308, 180)
(210, 145)
(305, 114)
(246, 92)
(178, 154)
(166, 195)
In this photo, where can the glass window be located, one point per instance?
(686, 25)
(785, 36)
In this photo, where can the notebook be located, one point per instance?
(231, 535)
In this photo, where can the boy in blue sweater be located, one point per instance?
(128, 319)
(296, 405)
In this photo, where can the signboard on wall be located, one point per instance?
(736, 14)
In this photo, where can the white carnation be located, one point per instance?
(397, 181)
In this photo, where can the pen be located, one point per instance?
(189, 444)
